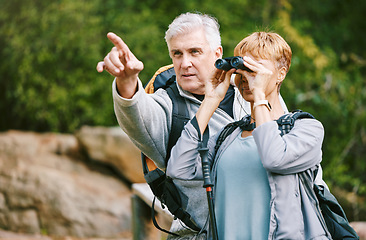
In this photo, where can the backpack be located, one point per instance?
(327, 208)
(161, 185)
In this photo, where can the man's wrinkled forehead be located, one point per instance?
(188, 40)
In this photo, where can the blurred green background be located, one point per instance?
(49, 51)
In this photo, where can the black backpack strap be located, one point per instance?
(162, 186)
(180, 117)
(165, 190)
(244, 124)
(286, 122)
(156, 223)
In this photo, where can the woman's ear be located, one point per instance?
(281, 75)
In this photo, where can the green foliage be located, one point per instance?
(49, 51)
(327, 79)
(48, 63)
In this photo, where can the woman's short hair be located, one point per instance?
(188, 22)
(266, 45)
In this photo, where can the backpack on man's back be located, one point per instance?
(162, 186)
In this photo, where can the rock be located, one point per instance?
(45, 187)
(24, 221)
(6, 235)
(112, 146)
(50, 188)
(21, 236)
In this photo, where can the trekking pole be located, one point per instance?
(207, 183)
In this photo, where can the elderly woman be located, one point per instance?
(258, 194)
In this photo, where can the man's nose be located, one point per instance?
(186, 61)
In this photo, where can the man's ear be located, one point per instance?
(219, 52)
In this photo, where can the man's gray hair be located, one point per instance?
(188, 22)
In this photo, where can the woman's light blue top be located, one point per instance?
(242, 199)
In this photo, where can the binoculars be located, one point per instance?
(231, 62)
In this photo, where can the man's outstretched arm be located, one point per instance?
(121, 63)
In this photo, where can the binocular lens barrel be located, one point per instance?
(231, 62)
(237, 62)
(223, 64)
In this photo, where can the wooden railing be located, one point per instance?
(142, 226)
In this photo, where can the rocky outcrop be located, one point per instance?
(112, 146)
(47, 188)
(71, 186)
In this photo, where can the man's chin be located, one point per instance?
(193, 89)
(191, 84)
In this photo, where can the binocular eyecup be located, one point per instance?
(231, 62)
